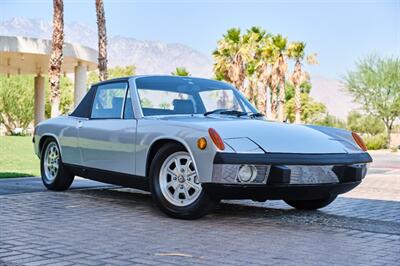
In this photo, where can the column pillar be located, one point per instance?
(79, 83)
(39, 99)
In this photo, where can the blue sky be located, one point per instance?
(339, 31)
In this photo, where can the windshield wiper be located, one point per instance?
(251, 114)
(225, 112)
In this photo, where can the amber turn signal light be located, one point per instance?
(216, 138)
(360, 142)
(202, 143)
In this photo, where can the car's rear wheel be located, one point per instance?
(175, 185)
(313, 204)
(54, 174)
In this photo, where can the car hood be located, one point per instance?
(276, 137)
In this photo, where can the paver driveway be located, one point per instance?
(110, 225)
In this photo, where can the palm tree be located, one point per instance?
(102, 40)
(253, 42)
(180, 71)
(251, 90)
(268, 75)
(262, 73)
(230, 57)
(296, 51)
(280, 68)
(56, 57)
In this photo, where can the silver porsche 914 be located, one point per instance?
(192, 142)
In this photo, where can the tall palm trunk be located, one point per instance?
(281, 100)
(282, 73)
(262, 98)
(268, 102)
(273, 85)
(236, 73)
(297, 78)
(102, 38)
(250, 90)
(56, 57)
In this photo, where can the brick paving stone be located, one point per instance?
(119, 227)
(113, 226)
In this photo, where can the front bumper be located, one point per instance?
(292, 158)
(282, 180)
(275, 192)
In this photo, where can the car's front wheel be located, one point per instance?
(313, 204)
(175, 186)
(54, 174)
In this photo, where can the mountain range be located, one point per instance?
(156, 57)
(149, 57)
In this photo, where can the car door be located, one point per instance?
(69, 136)
(107, 138)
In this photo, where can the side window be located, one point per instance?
(128, 110)
(109, 100)
(84, 107)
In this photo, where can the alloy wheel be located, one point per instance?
(51, 162)
(178, 180)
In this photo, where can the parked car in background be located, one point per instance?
(192, 142)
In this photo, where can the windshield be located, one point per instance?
(186, 95)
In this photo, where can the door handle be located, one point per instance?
(80, 123)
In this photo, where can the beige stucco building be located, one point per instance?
(23, 55)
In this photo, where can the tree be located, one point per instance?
(102, 40)
(180, 71)
(230, 57)
(296, 51)
(256, 64)
(252, 40)
(268, 77)
(376, 85)
(366, 124)
(280, 67)
(66, 97)
(239, 59)
(56, 57)
(251, 90)
(254, 67)
(115, 72)
(330, 121)
(17, 100)
(312, 111)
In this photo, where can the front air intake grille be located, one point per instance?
(310, 174)
(227, 173)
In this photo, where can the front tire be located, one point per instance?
(54, 174)
(313, 204)
(175, 186)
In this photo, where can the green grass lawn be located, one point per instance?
(17, 157)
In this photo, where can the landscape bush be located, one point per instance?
(376, 142)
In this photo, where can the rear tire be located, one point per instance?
(174, 184)
(54, 174)
(313, 204)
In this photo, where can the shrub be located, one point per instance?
(365, 123)
(376, 142)
(331, 121)
(17, 101)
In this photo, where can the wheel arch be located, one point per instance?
(43, 139)
(157, 144)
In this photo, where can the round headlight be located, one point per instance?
(247, 173)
